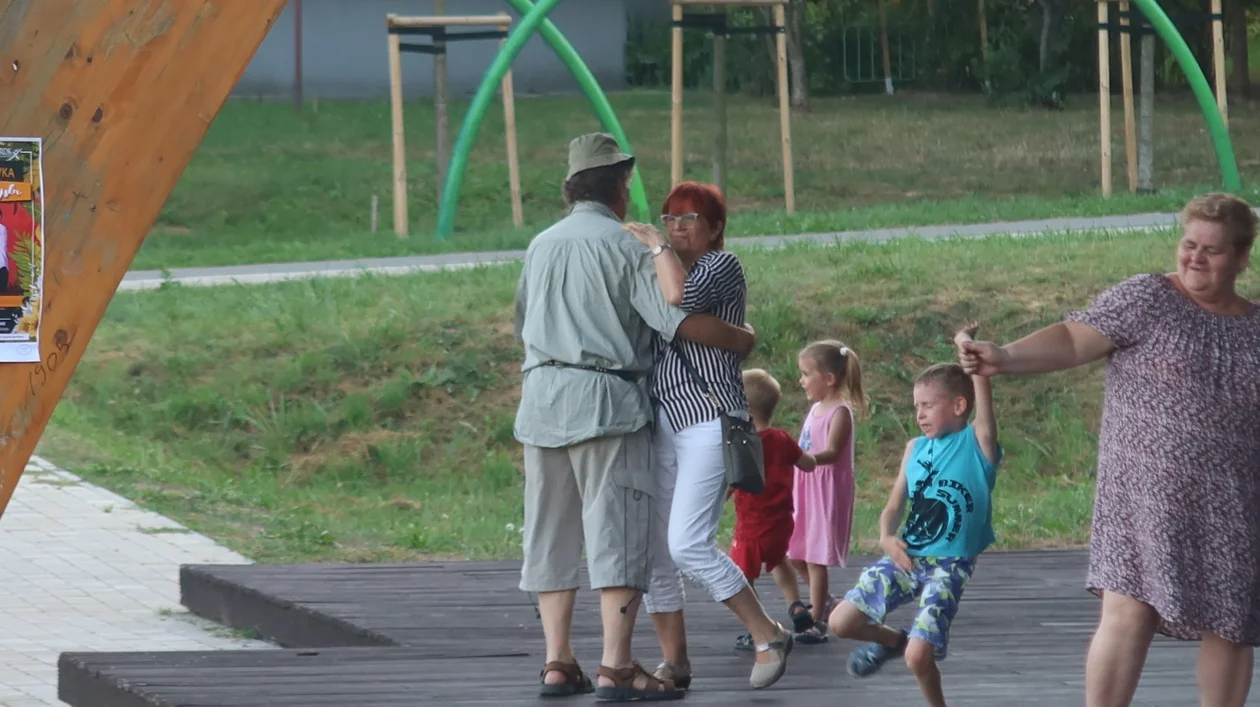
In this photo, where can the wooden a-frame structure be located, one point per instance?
(121, 93)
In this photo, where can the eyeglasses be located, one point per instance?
(683, 220)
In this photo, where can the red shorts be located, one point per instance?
(769, 548)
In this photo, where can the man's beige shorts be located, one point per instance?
(602, 492)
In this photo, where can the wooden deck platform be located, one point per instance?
(461, 633)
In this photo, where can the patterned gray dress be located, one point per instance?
(1177, 513)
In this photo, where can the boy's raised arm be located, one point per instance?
(985, 419)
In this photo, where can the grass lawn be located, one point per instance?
(268, 186)
(371, 419)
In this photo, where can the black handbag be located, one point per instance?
(742, 452)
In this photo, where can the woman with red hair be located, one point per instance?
(692, 385)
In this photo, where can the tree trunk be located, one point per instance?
(1047, 33)
(796, 54)
(1146, 108)
(1236, 32)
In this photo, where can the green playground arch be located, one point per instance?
(534, 19)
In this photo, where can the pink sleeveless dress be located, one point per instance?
(823, 497)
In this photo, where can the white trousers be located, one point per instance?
(692, 490)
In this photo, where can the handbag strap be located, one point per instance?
(695, 376)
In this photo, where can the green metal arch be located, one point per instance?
(533, 19)
(1198, 83)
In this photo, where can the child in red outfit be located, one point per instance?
(763, 522)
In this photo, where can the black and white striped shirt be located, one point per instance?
(715, 285)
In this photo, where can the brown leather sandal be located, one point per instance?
(575, 681)
(623, 689)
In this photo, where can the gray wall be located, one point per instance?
(344, 50)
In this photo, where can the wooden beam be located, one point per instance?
(441, 104)
(421, 22)
(676, 101)
(121, 93)
(509, 133)
(1218, 59)
(399, 135)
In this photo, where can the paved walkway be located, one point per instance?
(253, 274)
(83, 569)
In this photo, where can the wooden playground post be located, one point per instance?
(509, 128)
(437, 27)
(441, 101)
(1218, 59)
(784, 94)
(399, 141)
(1104, 98)
(1126, 78)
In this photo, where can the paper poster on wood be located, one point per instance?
(21, 248)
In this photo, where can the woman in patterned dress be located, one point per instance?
(1175, 541)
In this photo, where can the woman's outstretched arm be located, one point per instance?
(1057, 347)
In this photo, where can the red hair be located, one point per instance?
(705, 200)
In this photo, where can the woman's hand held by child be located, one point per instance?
(895, 548)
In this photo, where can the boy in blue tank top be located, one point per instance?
(947, 477)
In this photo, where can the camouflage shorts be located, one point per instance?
(937, 582)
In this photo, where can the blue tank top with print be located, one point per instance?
(949, 485)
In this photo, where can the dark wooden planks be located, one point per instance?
(461, 633)
(413, 604)
(386, 677)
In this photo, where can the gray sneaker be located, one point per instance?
(867, 660)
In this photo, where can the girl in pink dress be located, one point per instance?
(832, 379)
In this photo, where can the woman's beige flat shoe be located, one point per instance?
(766, 674)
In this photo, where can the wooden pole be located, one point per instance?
(441, 100)
(1218, 58)
(297, 57)
(400, 150)
(1104, 98)
(676, 102)
(719, 111)
(785, 108)
(1126, 78)
(509, 122)
(883, 41)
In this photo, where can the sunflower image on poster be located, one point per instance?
(21, 248)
